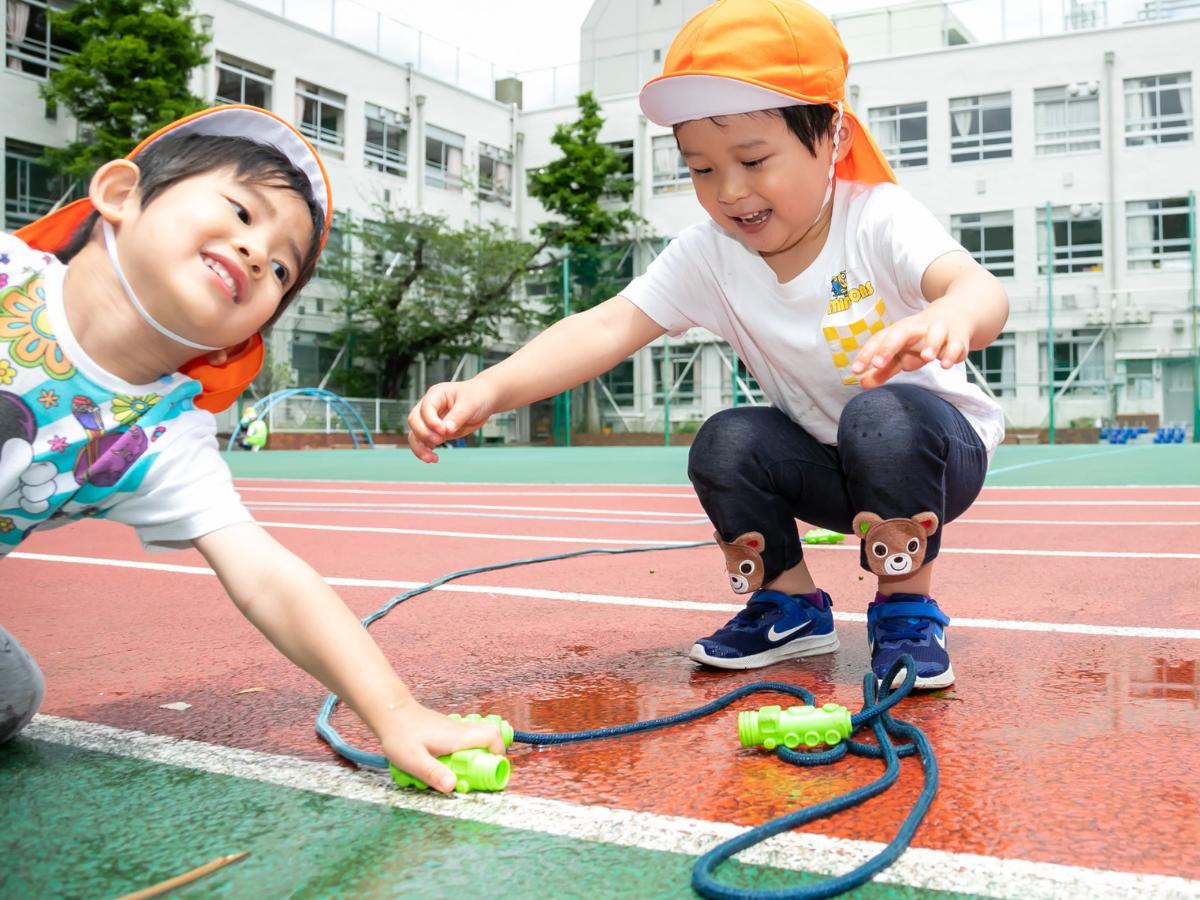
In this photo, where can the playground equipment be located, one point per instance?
(355, 426)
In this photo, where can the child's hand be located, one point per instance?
(911, 343)
(447, 411)
(414, 735)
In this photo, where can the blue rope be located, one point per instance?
(877, 703)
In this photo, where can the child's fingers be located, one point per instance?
(420, 449)
(461, 416)
(935, 339)
(429, 770)
(887, 344)
(954, 352)
(485, 735)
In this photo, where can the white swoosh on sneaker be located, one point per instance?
(773, 635)
(941, 639)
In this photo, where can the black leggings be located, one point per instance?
(901, 451)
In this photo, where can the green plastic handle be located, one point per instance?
(810, 726)
(475, 769)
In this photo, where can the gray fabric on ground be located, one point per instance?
(21, 686)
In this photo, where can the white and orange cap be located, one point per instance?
(740, 56)
(222, 384)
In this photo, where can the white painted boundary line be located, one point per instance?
(644, 602)
(918, 867)
(603, 541)
(513, 491)
(609, 511)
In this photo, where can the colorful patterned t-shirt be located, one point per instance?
(77, 441)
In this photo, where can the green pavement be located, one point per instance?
(79, 823)
(1063, 464)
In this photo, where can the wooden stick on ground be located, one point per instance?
(186, 878)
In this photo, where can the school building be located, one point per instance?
(1060, 149)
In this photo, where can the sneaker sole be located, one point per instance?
(929, 683)
(801, 647)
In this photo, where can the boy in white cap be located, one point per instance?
(195, 242)
(848, 301)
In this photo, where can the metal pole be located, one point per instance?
(1050, 313)
(566, 300)
(1194, 302)
(667, 380)
(733, 376)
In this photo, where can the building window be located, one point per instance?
(321, 113)
(386, 145)
(997, 363)
(981, 127)
(745, 379)
(902, 133)
(1078, 239)
(243, 82)
(30, 188)
(313, 355)
(684, 362)
(620, 384)
(495, 174)
(623, 149)
(1139, 379)
(1157, 234)
(988, 237)
(1158, 109)
(30, 45)
(671, 171)
(443, 159)
(1067, 118)
(1070, 349)
(334, 258)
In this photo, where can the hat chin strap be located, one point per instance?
(110, 244)
(837, 139)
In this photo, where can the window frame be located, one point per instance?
(1161, 252)
(898, 155)
(1076, 138)
(669, 180)
(1005, 382)
(438, 175)
(624, 393)
(20, 53)
(1070, 258)
(1000, 262)
(382, 157)
(20, 206)
(487, 187)
(322, 98)
(1150, 130)
(245, 71)
(981, 144)
(1076, 341)
(687, 394)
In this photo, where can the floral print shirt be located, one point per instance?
(77, 441)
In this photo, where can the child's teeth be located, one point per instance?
(225, 276)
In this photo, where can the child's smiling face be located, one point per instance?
(212, 256)
(756, 178)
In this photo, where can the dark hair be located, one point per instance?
(173, 158)
(809, 123)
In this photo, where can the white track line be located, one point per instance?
(511, 492)
(1086, 503)
(919, 867)
(604, 541)
(611, 511)
(622, 600)
(1121, 523)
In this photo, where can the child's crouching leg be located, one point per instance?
(21, 686)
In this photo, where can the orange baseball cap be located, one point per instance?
(223, 384)
(740, 56)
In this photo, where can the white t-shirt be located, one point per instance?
(77, 442)
(799, 338)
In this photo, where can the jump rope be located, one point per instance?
(878, 700)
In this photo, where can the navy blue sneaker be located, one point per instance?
(909, 623)
(774, 626)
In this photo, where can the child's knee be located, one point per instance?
(21, 687)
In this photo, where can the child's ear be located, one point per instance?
(845, 137)
(113, 189)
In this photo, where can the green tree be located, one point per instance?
(410, 285)
(129, 76)
(587, 191)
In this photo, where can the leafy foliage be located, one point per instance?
(129, 76)
(412, 286)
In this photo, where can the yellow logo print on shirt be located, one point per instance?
(843, 296)
(845, 340)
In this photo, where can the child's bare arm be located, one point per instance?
(568, 353)
(302, 616)
(967, 310)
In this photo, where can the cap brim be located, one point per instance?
(672, 99)
(53, 231)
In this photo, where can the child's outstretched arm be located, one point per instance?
(967, 310)
(569, 352)
(301, 615)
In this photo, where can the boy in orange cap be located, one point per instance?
(195, 242)
(848, 301)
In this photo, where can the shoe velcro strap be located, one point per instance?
(901, 609)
